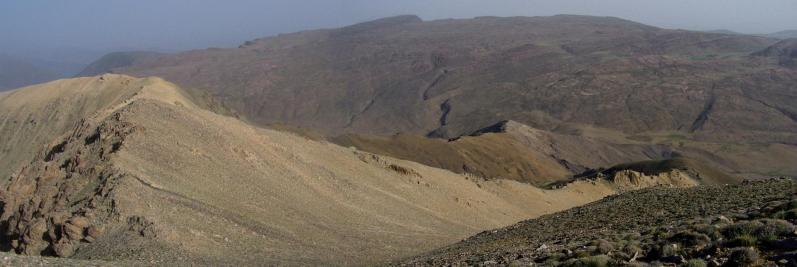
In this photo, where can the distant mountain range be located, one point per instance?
(787, 34)
(25, 69)
(783, 34)
(111, 61)
(15, 73)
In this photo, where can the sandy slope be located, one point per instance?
(317, 201)
(148, 175)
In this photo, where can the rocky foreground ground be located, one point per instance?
(11, 259)
(750, 224)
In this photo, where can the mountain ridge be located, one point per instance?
(145, 173)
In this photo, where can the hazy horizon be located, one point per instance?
(83, 29)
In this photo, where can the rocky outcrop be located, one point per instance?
(379, 161)
(65, 196)
(632, 180)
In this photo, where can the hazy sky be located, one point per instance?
(102, 25)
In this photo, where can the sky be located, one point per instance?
(85, 28)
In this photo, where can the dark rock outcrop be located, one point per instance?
(64, 197)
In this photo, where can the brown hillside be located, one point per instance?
(509, 150)
(448, 78)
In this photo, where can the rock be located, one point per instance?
(73, 232)
(75, 227)
(37, 229)
(79, 221)
(542, 247)
(723, 219)
(94, 232)
(32, 242)
(64, 248)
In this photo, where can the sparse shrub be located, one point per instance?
(551, 259)
(556, 256)
(773, 229)
(790, 215)
(664, 250)
(741, 228)
(551, 262)
(631, 249)
(745, 240)
(695, 263)
(755, 214)
(709, 230)
(743, 257)
(592, 261)
(790, 205)
(722, 220)
(581, 254)
(603, 246)
(637, 264)
(622, 255)
(670, 250)
(690, 238)
(632, 236)
(661, 233)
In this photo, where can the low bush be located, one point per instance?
(690, 238)
(740, 229)
(743, 241)
(743, 257)
(603, 246)
(774, 229)
(592, 261)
